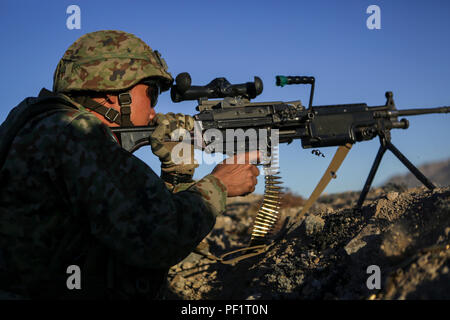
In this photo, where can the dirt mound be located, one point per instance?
(399, 242)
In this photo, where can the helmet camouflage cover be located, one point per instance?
(109, 61)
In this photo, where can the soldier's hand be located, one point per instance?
(240, 179)
(166, 124)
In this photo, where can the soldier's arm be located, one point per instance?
(129, 208)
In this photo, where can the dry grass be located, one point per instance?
(291, 200)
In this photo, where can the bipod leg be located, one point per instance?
(371, 175)
(419, 175)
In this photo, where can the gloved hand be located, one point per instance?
(182, 170)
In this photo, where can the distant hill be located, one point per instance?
(437, 172)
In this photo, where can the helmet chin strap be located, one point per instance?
(111, 114)
(125, 109)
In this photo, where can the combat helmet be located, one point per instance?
(110, 61)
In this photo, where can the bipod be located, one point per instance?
(385, 144)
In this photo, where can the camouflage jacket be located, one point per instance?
(70, 195)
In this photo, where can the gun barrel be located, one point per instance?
(413, 112)
(410, 112)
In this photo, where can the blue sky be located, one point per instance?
(329, 40)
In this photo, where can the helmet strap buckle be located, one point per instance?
(114, 116)
(125, 109)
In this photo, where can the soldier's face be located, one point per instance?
(141, 111)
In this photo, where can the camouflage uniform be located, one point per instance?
(70, 195)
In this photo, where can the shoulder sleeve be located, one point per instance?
(128, 206)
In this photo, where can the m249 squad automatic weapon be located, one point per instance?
(339, 125)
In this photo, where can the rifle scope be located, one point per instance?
(218, 88)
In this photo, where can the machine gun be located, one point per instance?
(316, 126)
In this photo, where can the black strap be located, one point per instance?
(110, 114)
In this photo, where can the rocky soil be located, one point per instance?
(332, 252)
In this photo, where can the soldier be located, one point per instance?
(70, 195)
